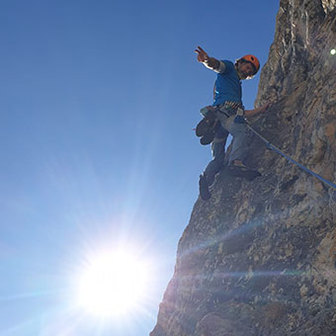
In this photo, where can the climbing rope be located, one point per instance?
(240, 119)
(277, 150)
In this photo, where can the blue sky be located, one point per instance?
(98, 100)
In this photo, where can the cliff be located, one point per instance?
(259, 258)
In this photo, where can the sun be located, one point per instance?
(112, 284)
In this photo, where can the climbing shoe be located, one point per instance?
(204, 188)
(238, 169)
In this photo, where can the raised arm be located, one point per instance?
(209, 62)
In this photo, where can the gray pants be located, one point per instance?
(239, 148)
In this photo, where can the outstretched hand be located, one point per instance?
(202, 56)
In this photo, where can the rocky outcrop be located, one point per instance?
(259, 258)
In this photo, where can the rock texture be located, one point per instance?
(259, 258)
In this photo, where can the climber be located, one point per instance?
(226, 115)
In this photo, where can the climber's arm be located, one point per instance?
(261, 109)
(210, 62)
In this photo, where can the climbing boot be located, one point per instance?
(239, 169)
(204, 188)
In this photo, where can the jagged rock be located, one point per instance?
(328, 5)
(259, 258)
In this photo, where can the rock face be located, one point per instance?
(259, 258)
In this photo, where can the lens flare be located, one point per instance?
(112, 284)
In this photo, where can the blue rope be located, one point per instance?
(277, 150)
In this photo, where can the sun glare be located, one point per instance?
(112, 284)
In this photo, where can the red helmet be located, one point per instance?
(253, 60)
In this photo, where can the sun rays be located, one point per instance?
(112, 284)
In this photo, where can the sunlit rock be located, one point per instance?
(259, 258)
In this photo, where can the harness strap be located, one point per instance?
(228, 110)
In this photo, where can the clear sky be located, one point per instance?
(98, 100)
